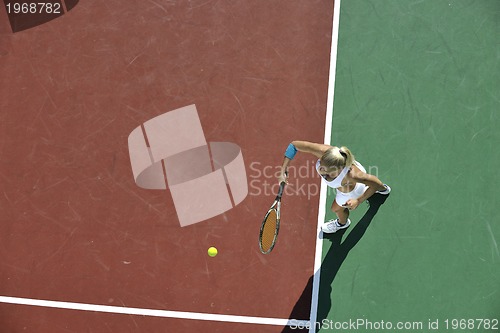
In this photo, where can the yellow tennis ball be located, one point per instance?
(212, 251)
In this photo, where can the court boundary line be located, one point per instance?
(152, 312)
(323, 189)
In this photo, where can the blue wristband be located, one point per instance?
(290, 151)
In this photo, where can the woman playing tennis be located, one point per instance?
(339, 170)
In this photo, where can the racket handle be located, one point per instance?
(282, 187)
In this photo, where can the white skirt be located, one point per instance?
(341, 197)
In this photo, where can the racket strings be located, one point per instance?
(269, 231)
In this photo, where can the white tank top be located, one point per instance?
(337, 181)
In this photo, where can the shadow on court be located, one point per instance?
(331, 264)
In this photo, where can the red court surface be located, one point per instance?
(75, 227)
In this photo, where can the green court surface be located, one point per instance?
(417, 100)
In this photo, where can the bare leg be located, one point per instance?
(342, 212)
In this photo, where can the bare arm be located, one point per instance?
(316, 149)
(374, 184)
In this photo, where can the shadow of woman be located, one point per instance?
(332, 262)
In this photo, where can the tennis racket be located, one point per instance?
(271, 224)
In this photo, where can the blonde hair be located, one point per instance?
(337, 158)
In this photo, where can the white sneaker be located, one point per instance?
(386, 191)
(333, 226)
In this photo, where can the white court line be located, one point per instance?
(153, 313)
(323, 191)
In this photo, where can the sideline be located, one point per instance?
(327, 140)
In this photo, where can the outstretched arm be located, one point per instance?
(316, 149)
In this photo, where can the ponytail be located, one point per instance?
(346, 153)
(337, 158)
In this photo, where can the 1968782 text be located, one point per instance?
(33, 8)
